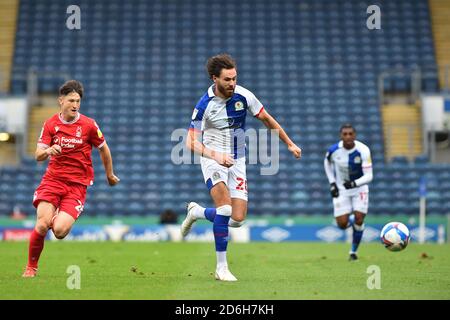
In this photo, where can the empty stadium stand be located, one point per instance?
(312, 63)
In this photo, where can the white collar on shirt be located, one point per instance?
(69, 122)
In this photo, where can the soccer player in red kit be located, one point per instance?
(66, 140)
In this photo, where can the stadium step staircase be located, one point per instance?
(402, 130)
(440, 13)
(37, 117)
(8, 19)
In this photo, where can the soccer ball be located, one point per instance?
(395, 236)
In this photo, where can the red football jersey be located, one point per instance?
(76, 139)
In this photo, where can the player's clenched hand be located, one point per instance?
(54, 150)
(223, 159)
(296, 151)
(334, 190)
(113, 180)
(349, 184)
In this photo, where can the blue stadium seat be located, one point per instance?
(142, 64)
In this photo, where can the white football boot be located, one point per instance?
(223, 274)
(189, 220)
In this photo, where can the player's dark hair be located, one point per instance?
(347, 126)
(215, 64)
(71, 86)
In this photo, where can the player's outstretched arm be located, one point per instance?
(43, 154)
(105, 154)
(193, 143)
(271, 123)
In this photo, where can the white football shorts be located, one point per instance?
(234, 177)
(347, 203)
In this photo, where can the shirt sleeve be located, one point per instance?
(254, 105)
(45, 138)
(96, 137)
(329, 168)
(197, 119)
(366, 167)
(328, 163)
(366, 158)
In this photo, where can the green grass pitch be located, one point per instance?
(184, 271)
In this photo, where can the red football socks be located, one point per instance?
(35, 248)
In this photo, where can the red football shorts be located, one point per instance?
(65, 196)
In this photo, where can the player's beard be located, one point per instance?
(226, 93)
